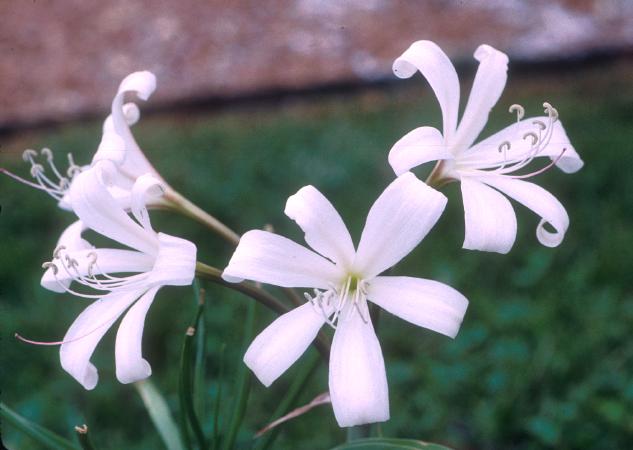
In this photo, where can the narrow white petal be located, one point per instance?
(357, 379)
(486, 152)
(130, 365)
(399, 219)
(487, 88)
(276, 348)
(324, 229)
(108, 260)
(438, 70)
(175, 263)
(417, 147)
(541, 202)
(273, 259)
(99, 211)
(426, 303)
(491, 224)
(84, 334)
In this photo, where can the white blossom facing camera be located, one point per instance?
(344, 279)
(118, 279)
(488, 169)
(117, 145)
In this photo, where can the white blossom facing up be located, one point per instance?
(117, 145)
(490, 168)
(119, 280)
(344, 279)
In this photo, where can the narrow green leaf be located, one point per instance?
(200, 361)
(188, 413)
(159, 413)
(218, 401)
(389, 444)
(298, 383)
(243, 382)
(84, 439)
(38, 433)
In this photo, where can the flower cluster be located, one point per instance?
(339, 280)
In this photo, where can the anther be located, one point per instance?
(50, 265)
(539, 124)
(551, 111)
(47, 153)
(504, 146)
(520, 110)
(57, 251)
(36, 170)
(533, 136)
(28, 155)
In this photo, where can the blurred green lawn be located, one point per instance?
(544, 358)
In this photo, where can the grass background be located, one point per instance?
(544, 358)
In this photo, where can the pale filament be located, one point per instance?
(55, 187)
(332, 302)
(103, 282)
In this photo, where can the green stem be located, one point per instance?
(84, 439)
(189, 209)
(358, 432)
(260, 295)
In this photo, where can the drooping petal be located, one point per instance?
(438, 70)
(491, 224)
(99, 211)
(130, 365)
(276, 348)
(357, 379)
(273, 259)
(175, 263)
(541, 202)
(426, 303)
(399, 219)
(487, 88)
(84, 334)
(107, 261)
(324, 229)
(417, 147)
(486, 153)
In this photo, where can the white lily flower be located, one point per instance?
(344, 279)
(155, 260)
(488, 169)
(117, 145)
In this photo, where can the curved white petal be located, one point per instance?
(146, 186)
(487, 88)
(84, 334)
(491, 224)
(486, 153)
(99, 211)
(273, 259)
(438, 70)
(130, 365)
(541, 202)
(276, 348)
(108, 260)
(426, 303)
(118, 143)
(357, 378)
(324, 229)
(399, 219)
(417, 147)
(175, 264)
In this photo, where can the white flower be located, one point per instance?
(117, 145)
(489, 166)
(343, 280)
(156, 260)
